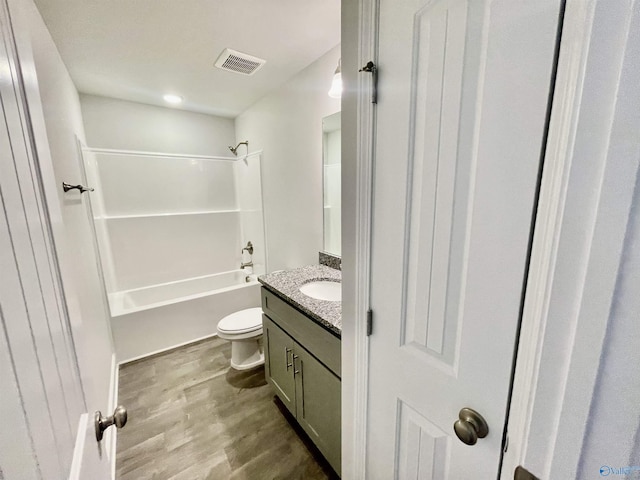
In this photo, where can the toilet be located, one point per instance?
(244, 330)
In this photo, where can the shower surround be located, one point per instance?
(170, 230)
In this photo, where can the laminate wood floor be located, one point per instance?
(191, 417)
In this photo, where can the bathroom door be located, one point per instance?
(46, 429)
(463, 94)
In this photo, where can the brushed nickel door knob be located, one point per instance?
(119, 419)
(470, 426)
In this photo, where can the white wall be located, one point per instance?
(75, 245)
(613, 432)
(123, 125)
(287, 126)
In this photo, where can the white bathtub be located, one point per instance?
(137, 299)
(152, 319)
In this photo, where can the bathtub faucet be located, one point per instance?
(249, 249)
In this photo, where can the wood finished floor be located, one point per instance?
(191, 417)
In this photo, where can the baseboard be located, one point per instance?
(165, 350)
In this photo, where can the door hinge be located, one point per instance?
(372, 68)
(369, 322)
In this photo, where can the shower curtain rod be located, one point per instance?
(139, 153)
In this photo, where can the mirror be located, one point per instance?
(331, 146)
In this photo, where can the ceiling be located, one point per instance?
(139, 50)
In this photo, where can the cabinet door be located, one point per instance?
(318, 400)
(278, 354)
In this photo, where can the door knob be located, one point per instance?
(470, 426)
(119, 419)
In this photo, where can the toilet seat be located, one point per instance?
(241, 323)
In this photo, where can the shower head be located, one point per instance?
(235, 150)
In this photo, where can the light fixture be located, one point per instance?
(336, 84)
(172, 99)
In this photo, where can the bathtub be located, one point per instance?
(152, 319)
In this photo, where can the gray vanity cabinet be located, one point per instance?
(318, 401)
(302, 363)
(279, 368)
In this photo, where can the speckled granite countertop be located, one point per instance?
(285, 285)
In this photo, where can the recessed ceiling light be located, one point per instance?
(173, 99)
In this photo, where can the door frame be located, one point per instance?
(535, 345)
(590, 172)
(359, 45)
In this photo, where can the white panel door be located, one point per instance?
(463, 92)
(41, 400)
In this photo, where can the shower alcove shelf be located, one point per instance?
(142, 215)
(170, 229)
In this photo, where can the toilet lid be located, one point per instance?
(244, 321)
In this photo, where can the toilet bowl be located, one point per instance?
(244, 330)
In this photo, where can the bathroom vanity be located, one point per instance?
(302, 354)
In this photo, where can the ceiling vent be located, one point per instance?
(239, 62)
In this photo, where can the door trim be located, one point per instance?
(359, 46)
(588, 175)
(565, 110)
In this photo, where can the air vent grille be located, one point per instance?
(238, 62)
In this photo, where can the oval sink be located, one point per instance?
(323, 290)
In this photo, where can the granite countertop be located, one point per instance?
(285, 284)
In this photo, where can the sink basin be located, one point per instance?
(323, 290)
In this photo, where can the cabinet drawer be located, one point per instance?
(319, 342)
